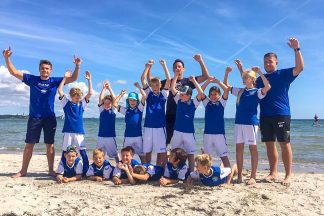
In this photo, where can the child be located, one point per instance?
(211, 175)
(100, 169)
(73, 121)
(122, 172)
(183, 135)
(154, 138)
(71, 168)
(214, 133)
(246, 121)
(107, 132)
(147, 172)
(176, 169)
(133, 118)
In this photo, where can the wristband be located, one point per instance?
(298, 49)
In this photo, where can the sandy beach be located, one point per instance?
(39, 194)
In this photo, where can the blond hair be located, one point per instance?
(204, 160)
(75, 92)
(108, 97)
(250, 74)
(155, 80)
(98, 151)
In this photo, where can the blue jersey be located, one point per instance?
(181, 172)
(73, 119)
(42, 95)
(214, 116)
(185, 115)
(155, 109)
(107, 122)
(133, 120)
(106, 170)
(67, 171)
(155, 172)
(215, 178)
(247, 105)
(277, 101)
(121, 173)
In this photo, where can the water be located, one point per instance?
(307, 141)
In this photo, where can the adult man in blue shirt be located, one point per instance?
(41, 108)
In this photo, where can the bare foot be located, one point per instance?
(286, 182)
(271, 178)
(239, 180)
(51, 173)
(251, 181)
(19, 174)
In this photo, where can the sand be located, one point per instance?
(39, 194)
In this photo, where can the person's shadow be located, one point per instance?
(37, 176)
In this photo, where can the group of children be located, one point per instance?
(168, 169)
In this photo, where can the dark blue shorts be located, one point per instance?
(35, 126)
(276, 128)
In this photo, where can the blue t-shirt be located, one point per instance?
(185, 114)
(106, 170)
(247, 105)
(67, 171)
(214, 116)
(42, 95)
(277, 101)
(155, 109)
(121, 173)
(155, 172)
(181, 172)
(73, 118)
(107, 122)
(133, 120)
(217, 177)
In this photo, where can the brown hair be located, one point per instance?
(214, 88)
(180, 154)
(108, 97)
(98, 151)
(140, 169)
(128, 149)
(270, 54)
(75, 91)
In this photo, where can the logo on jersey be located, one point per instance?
(43, 91)
(215, 179)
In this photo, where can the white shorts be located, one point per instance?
(154, 139)
(215, 143)
(136, 143)
(73, 139)
(246, 134)
(108, 145)
(185, 141)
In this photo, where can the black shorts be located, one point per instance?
(35, 126)
(170, 120)
(275, 128)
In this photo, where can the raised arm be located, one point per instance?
(11, 68)
(204, 86)
(142, 177)
(173, 84)
(90, 92)
(60, 87)
(223, 86)
(299, 61)
(112, 93)
(167, 74)
(227, 71)
(137, 85)
(198, 87)
(239, 66)
(147, 68)
(204, 71)
(117, 99)
(265, 81)
(77, 61)
(149, 75)
(102, 93)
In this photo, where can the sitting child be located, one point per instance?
(211, 175)
(71, 168)
(176, 169)
(100, 169)
(122, 172)
(147, 172)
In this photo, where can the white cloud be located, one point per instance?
(123, 82)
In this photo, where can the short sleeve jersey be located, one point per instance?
(42, 95)
(121, 173)
(107, 121)
(214, 116)
(70, 171)
(217, 177)
(104, 171)
(277, 101)
(155, 172)
(179, 172)
(133, 120)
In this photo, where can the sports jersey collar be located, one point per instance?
(212, 171)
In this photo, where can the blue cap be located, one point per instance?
(132, 95)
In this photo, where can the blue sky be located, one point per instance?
(116, 38)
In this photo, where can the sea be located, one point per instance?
(307, 141)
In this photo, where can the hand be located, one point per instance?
(98, 179)
(65, 180)
(293, 43)
(123, 166)
(117, 181)
(162, 62)
(214, 80)
(191, 78)
(67, 74)
(198, 57)
(130, 168)
(76, 60)
(106, 84)
(88, 75)
(189, 181)
(7, 52)
(238, 64)
(256, 69)
(229, 69)
(137, 85)
(59, 179)
(163, 181)
(123, 92)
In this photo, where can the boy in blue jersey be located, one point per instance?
(122, 172)
(214, 133)
(69, 169)
(100, 169)
(73, 132)
(176, 169)
(246, 121)
(184, 132)
(147, 172)
(154, 138)
(107, 132)
(211, 175)
(133, 118)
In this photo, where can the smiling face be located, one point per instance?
(98, 159)
(202, 169)
(214, 96)
(126, 156)
(107, 104)
(70, 157)
(179, 69)
(155, 86)
(270, 63)
(132, 102)
(184, 97)
(45, 71)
